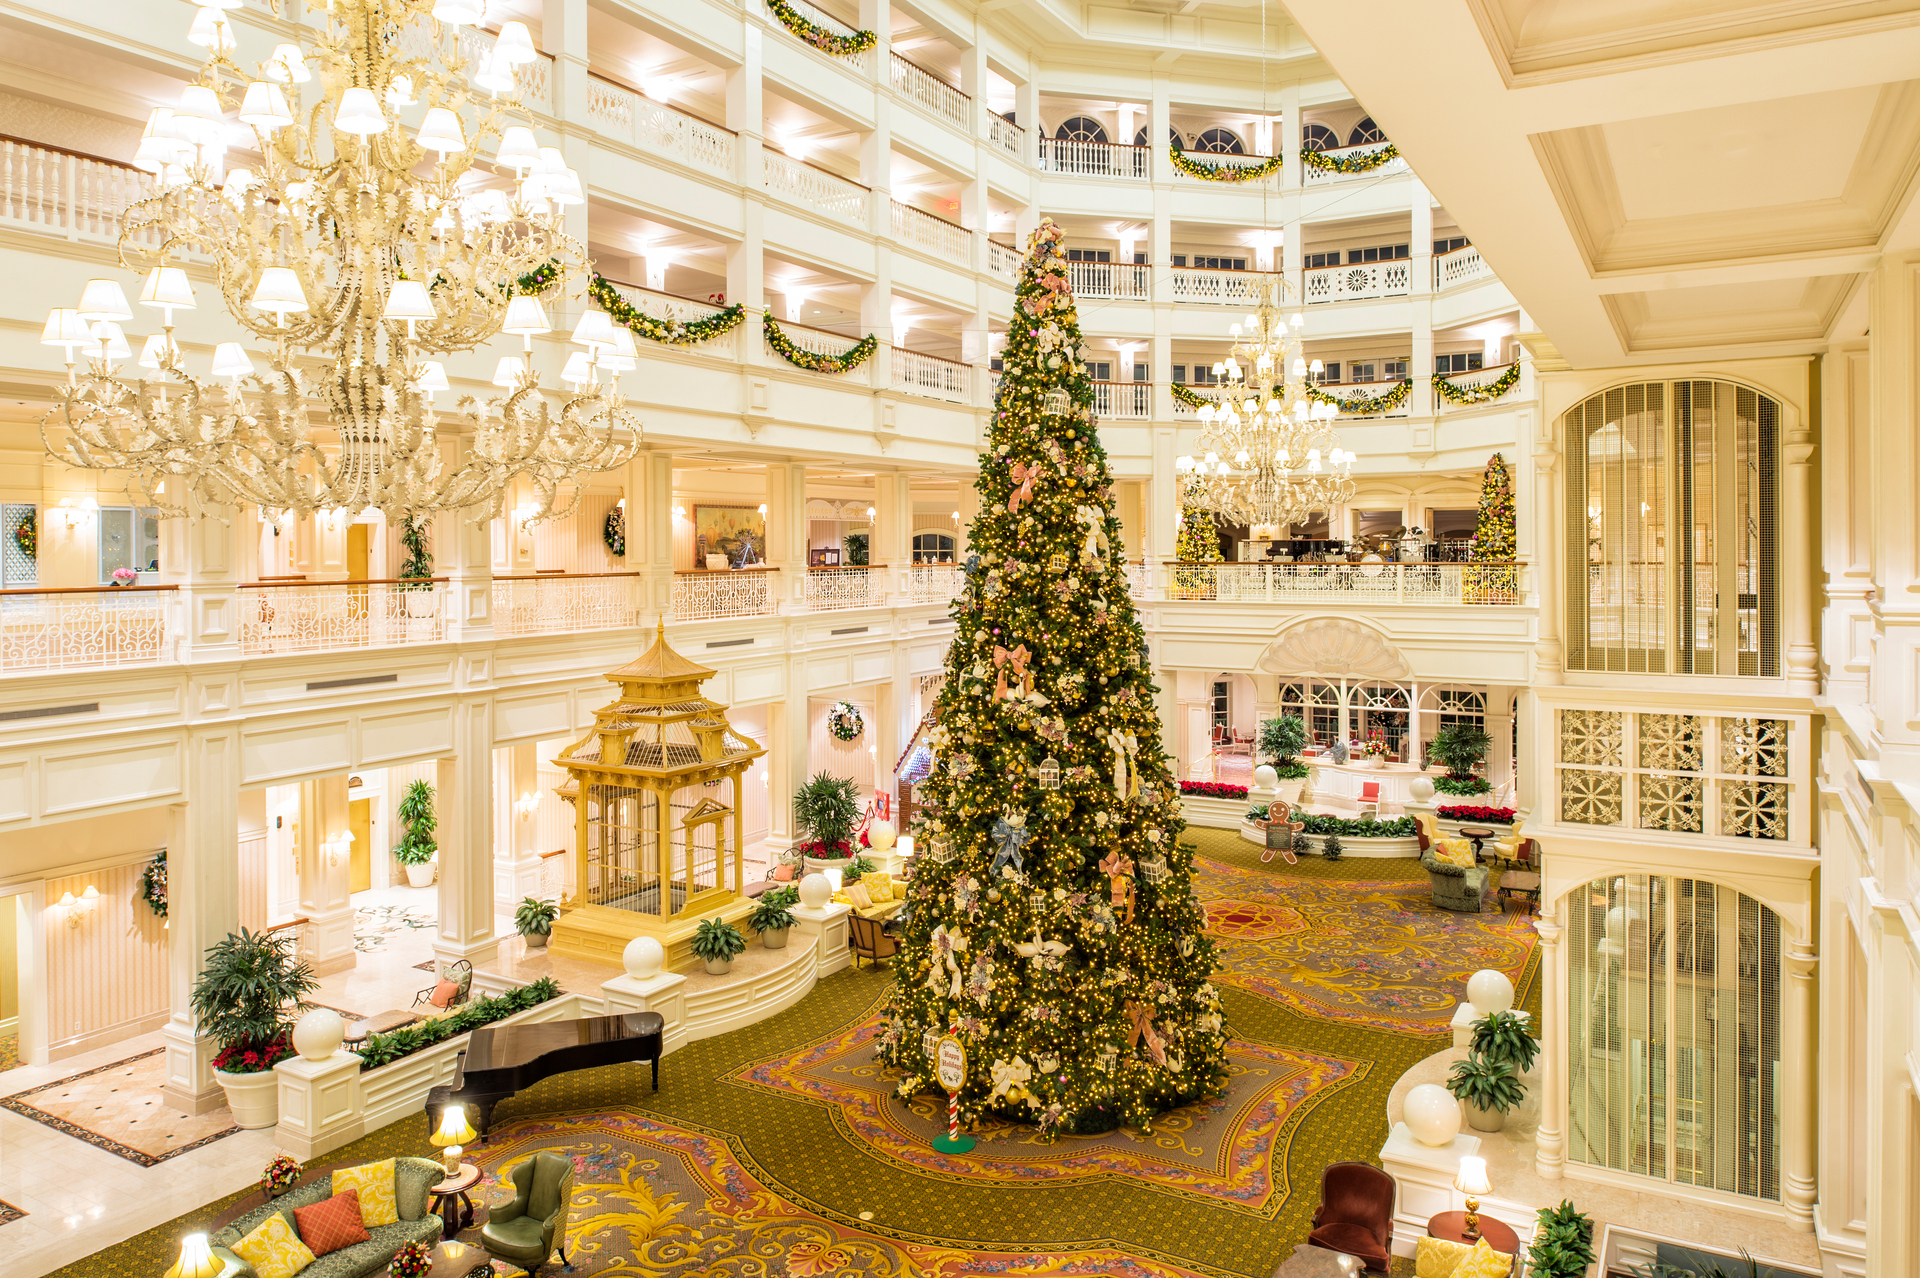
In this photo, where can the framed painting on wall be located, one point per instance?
(738, 532)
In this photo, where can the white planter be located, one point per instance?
(774, 938)
(420, 875)
(1290, 790)
(1483, 1120)
(822, 863)
(253, 1098)
(536, 940)
(718, 967)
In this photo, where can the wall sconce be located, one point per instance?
(763, 510)
(75, 910)
(71, 515)
(338, 847)
(679, 512)
(870, 512)
(523, 512)
(526, 805)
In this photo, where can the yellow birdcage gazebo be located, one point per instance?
(655, 788)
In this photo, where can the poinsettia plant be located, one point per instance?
(1471, 812)
(254, 1057)
(1213, 790)
(280, 1174)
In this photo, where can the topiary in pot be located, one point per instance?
(715, 943)
(534, 920)
(250, 991)
(825, 810)
(1486, 1090)
(1503, 1036)
(417, 846)
(773, 915)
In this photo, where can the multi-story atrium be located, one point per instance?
(825, 637)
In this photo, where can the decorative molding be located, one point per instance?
(1334, 648)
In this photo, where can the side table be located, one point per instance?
(1478, 834)
(1452, 1226)
(451, 1200)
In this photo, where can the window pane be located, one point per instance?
(116, 541)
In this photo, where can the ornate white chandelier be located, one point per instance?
(1268, 452)
(365, 249)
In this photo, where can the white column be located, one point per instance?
(1420, 367)
(203, 907)
(968, 504)
(325, 863)
(1550, 1142)
(787, 528)
(1500, 728)
(203, 557)
(650, 533)
(462, 552)
(1800, 1102)
(1026, 114)
(517, 858)
(1894, 463)
(1801, 546)
(1548, 655)
(746, 258)
(464, 801)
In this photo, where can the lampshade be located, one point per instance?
(279, 292)
(433, 377)
(104, 300)
(508, 372)
(563, 187)
(526, 315)
(153, 154)
(579, 368)
(288, 65)
(493, 74)
(196, 118)
(360, 113)
(1472, 1177)
(408, 301)
(518, 150)
(230, 360)
(595, 331)
(459, 12)
(197, 1259)
(441, 131)
(623, 346)
(454, 1128)
(400, 92)
(514, 45)
(64, 328)
(105, 340)
(265, 107)
(158, 352)
(210, 30)
(239, 182)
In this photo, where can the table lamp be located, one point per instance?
(454, 1132)
(1471, 1180)
(197, 1260)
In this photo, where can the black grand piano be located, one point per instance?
(502, 1060)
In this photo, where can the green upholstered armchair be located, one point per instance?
(1454, 887)
(527, 1230)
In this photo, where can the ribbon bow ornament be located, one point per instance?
(1120, 870)
(1141, 1014)
(1010, 832)
(946, 947)
(1097, 543)
(1023, 477)
(1017, 658)
(1009, 1077)
(1126, 780)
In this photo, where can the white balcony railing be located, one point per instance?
(1220, 288)
(1359, 280)
(817, 340)
(66, 194)
(933, 583)
(931, 377)
(831, 589)
(1125, 401)
(932, 234)
(1139, 581)
(668, 306)
(1315, 176)
(1003, 261)
(619, 112)
(1121, 281)
(861, 62)
(1462, 266)
(815, 188)
(708, 596)
(1006, 135)
(81, 628)
(1092, 159)
(1392, 583)
(1473, 380)
(558, 604)
(336, 616)
(531, 79)
(1347, 392)
(928, 91)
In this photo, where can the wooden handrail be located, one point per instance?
(548, 856)
(821, 168)
(298, 920)
(825, 332)
(349, 581)
(716, 572)
(622, 84)
(661, 292)
(1296, 563)
(941, 358)
(80, 590)
(557, 575)
(1223, 270)
(78, 155)
(1486, 368)
(935, 216)
(1131, 146)
(932, 75)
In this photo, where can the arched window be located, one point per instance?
(1081, 129)
(1318, 137)
(1365, 133)
(1673, 560)
(1219, 142)
(1173, 138)
(933, 548)
(1318, 704)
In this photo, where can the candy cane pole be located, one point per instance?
(953, 1116)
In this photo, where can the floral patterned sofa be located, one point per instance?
(412, 1179)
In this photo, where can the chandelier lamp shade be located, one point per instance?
(362, 235)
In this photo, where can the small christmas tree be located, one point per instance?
(1493, 533)
(1052, 923)
(1199, 540)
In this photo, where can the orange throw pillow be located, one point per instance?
(782, 874)
(443, 994)
(331, 1223)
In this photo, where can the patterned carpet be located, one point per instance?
(775, 1150)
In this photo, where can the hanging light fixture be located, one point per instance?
(342, 243)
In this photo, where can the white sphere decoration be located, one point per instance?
(881, 833)
(1432, 1114)
(1421, 789)
(1489, 992)
(319, 1033)
(643, 957)
(1265, 778)
(815, 891)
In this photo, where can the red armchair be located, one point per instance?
(1355, 1214)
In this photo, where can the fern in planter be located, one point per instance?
(773, 912)
(1460, 746)
(1562, 1243)
(250, 990)
(534, 918)
(419, 560)
(1503, 1036)
(716, 942)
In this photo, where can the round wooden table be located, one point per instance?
(451, 1200)
(1477, 833)
(1452, 1226)
(459, 1260)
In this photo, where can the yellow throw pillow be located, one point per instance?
(1456, 852)
(273, 1249)
(374, 1183)
(1437, 1258)
(879, 886)
(1484, 1262)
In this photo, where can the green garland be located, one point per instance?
(613, 533)
(815, 363)
(1477, 394)
(1350, 163)
(1223, 172)
(539, 279)
(26, 534)
(819, 37)
(666, 332)
(153, 884)
(1362, 403)
(1191, 399)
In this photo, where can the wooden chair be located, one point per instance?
(867, 938)
(1370, 800)
(459, 974)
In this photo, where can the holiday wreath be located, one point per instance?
(26, 534)
(153, 884)
(844, 721)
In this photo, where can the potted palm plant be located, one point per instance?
(1281, 741)
(1486, 1090)
(773, 915)
(825, 810)
(249, 992)
(416, 591)
(1459, 747)
(416, 847)
(715, 943)
(533, 919)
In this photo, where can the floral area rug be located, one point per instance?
(119, 1108)
(9, 1053)
(373, 924)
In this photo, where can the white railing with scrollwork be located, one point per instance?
(936, 235)
(338, 616)
(1003, 261)
(1395, 583)
(709, 596)
(817, 340)
(1359, 280)
(1313, 176)
(558, 604)
(861, 61)
(59, 193)
(1220, 288)
(1119, 281)
(926, 90)
(931, 377)
(1092, 159)
(1471, 380)
(1006, 135)
(662, 306)
(77, 629)
(815, 188)
(1139, 581)
(1124, 401)
(1462, 266)
(831, 589)
(529, 78)
(619, 112)
(933, 583)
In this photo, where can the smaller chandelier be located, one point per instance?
(1267, 451)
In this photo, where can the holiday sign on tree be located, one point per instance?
(1051, 922)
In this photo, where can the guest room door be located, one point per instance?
(360, 871)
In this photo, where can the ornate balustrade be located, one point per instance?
(933, 583)
(708, 596)
(1359, 280)
(1123, 401)
(1394, 583)
(1002, 260)
(83, 628)
(334, 616)
(1139, 581)
(933, 234)
(831, 589)
(665, 306)
(1220, 288)
(1092, 159)
(1313, 176)
(1006, 135)
(1121, 281)
(931, 377)
(68, 194)
(818, 340)
(861, 62)
(618, 111)
(1473, 380)
(929, 92)
(562, 603)
(813, 187)
(1462, 266)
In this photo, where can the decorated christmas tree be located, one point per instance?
(1493, 533)
(1199, 539)
(1051, 921)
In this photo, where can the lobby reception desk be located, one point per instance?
(1338, 785)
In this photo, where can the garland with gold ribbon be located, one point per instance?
(813, 361)
(1350, 163)
(1477, 394)
(818, 36)
(1223, 172)
(1192, 399)
(665, 331)
(1362, 403)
